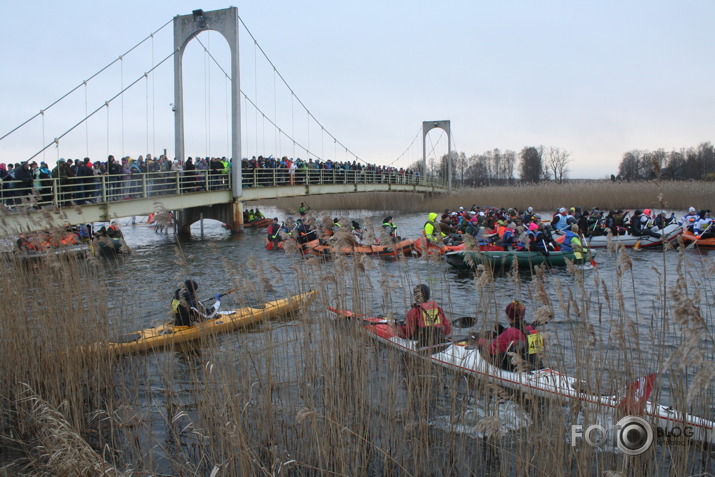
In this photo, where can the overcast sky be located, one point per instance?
(594, 78)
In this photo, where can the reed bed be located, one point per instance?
(311, 396)
(587, 194)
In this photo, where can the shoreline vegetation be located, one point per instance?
(309, 397)
(604, 194)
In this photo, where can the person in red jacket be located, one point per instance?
(512, 338)
(425, 321)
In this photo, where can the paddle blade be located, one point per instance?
(464, 322)
(637, 394)
(594, 263)
(637, 246)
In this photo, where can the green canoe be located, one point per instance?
(524, 259)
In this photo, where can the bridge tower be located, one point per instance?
(186, 28)
(427, 126)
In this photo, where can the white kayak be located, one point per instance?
(547, 383)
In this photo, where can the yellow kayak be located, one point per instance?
(168, 334)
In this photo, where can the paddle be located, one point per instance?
(692, 244)
(223, 294)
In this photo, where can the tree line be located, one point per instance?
(536, 164)
(496, 167)
(694, 163)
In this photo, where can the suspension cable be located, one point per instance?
(284, 133)
(86, 81)
(153, 102)
(86, 124)
(291, 90)
(106, 104)
(408, 147)
(146, 107)
(122, 102)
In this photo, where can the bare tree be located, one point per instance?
(556, 162)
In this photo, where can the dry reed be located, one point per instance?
(587, 194)
(312, 396)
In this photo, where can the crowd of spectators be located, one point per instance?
(82, 181)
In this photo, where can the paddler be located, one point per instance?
(274, 229)
(519, 337)
(572, 243)
(390, 228)
(425, 321)
(188, 309)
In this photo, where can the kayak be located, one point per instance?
(628, 240)
(462, 357)
(689, 237)
(506, 259)
(403, 247)
(168, 334)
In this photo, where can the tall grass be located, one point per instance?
(314, 396)
(587, 194)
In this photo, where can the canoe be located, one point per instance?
(168, 334)
(467, 260)
(668, 234)
(403, 247)
(689, 237)
(548, 383)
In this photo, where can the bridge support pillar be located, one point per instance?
(237, 206)
(231, 214)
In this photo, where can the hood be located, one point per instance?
(432, 216)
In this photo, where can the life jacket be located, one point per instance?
(389, 228)
(572, 243)
(273, 230)
(431, 315)
(430, 228)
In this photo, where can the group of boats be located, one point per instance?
(466, 256)
(70, 243)
(458, 354)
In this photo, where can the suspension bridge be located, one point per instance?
(214, 186)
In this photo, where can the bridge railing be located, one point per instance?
(70, 191)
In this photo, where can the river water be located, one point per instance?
(219, 261)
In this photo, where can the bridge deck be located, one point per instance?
(101, 198)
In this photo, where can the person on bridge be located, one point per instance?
(188, 309)
(425, 321)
